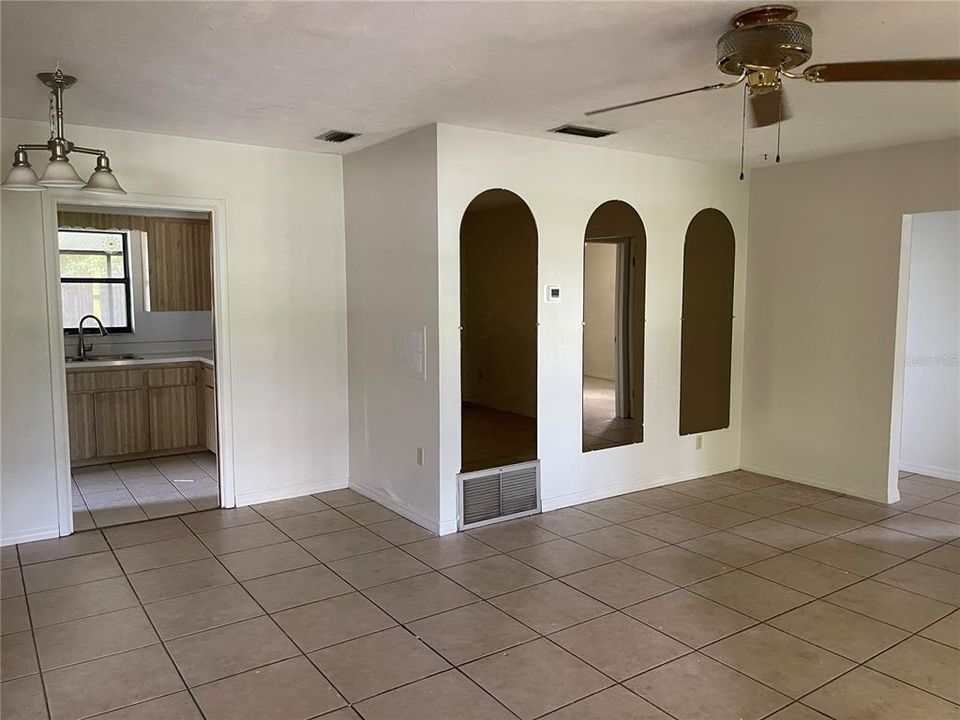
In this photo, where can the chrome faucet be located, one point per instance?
(82, 349)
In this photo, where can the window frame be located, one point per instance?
(126, 280)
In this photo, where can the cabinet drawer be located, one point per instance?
(171, 376)
(209, 379)
(104, 380)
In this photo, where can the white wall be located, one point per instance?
(930, 431)
(28, 487)
(285, 278)
(821, 312)
(600, 310)
(391, 230)
(563, 184)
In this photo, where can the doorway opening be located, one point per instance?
(498, 332)
(614, 290)
(136, 313)
(925, 458)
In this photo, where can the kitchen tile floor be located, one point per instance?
(107, 495)
(731, 597)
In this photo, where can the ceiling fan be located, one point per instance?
(767, 42)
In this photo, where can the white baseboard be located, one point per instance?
(447, 527)
(401, 508)
(289, 491)
(31, 535)
(823, 485)
(931, 470)
(606, 491)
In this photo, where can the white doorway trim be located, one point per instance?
(217, 209)
(899, 362)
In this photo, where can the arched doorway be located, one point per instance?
(498, 331)
(614, 293)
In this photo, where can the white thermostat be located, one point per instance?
(552, 294)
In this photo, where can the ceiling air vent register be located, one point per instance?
(581, 131)
(337, 136)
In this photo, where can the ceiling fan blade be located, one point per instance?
(769, 108)
(932, 70)
(716, 86)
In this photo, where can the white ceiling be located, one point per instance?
(279, 73)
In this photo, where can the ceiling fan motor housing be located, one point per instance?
(766, 37)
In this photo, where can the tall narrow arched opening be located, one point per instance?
(709, 254)
(498, 331)
(614, 296)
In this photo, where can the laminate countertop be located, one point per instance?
(200, 356)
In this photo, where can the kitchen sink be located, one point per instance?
(95, 358)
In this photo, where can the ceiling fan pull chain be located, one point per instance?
(779, 120)
(743, 130)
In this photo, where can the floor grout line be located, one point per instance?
(549, 578)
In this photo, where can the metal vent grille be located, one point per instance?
(337, 136)
(581, 131)
(498, 494)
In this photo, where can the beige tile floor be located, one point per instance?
(601, 426)
(733, 596)
(107, 495)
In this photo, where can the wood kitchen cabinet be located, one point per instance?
(174, 421)
(136, 412)
(81, 423)
(208, 390)
(121, 422)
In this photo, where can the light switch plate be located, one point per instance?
(551, 294)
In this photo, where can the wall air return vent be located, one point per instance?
(498, 494)
(337, 136)
(580, 131)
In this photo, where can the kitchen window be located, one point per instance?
(95, 278)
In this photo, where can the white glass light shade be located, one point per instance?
(21, 177)
(103, 181)
(60, 174)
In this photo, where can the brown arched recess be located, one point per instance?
(498, 331)
(707, 332)
(615, 245)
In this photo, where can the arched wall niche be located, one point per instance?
(709, 255)
(498, 331)
(614, 299)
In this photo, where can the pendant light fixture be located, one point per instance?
(60, 173)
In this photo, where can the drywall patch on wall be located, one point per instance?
(930, 430)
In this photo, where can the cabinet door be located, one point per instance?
(122, 422)
(210, 412)
(174, 419)
(82, 425)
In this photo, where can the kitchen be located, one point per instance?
(136, 292)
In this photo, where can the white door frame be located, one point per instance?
(623, 341)
(58, 380)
